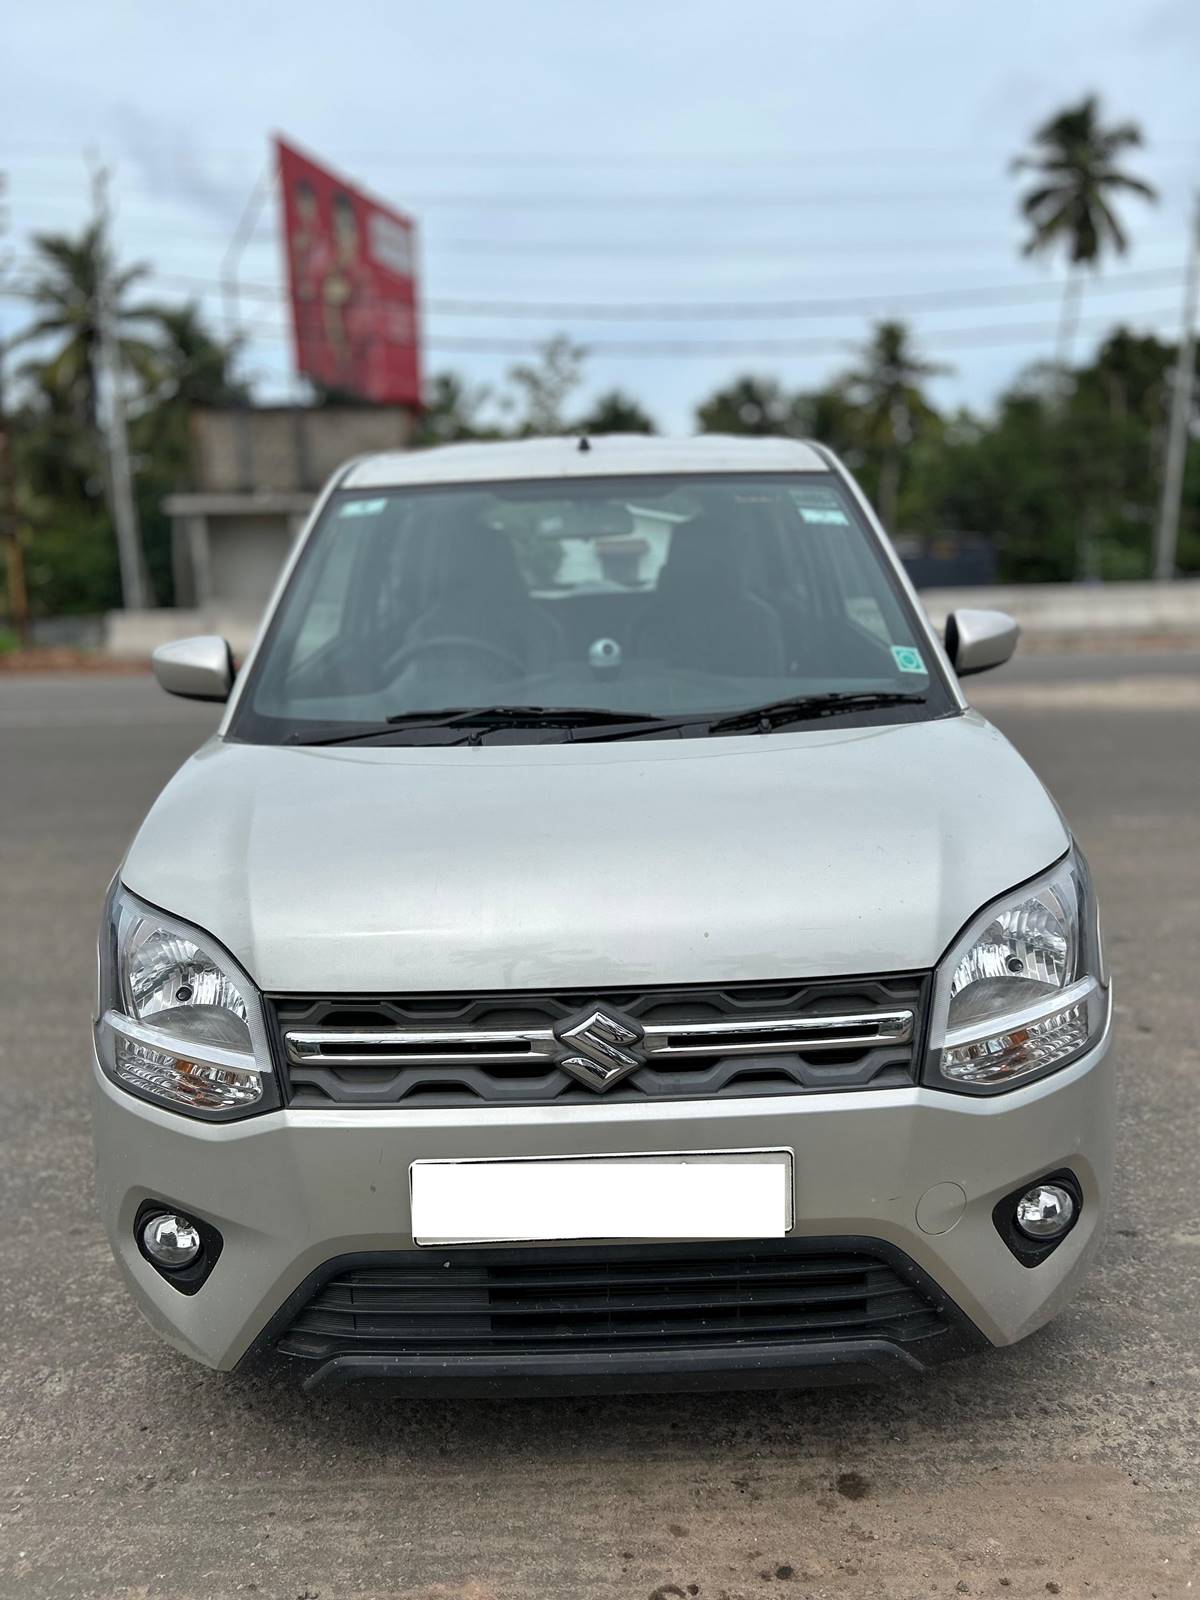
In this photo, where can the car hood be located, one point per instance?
(368, 869)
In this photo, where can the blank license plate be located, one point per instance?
(734, 1194)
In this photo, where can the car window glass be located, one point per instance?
(660, 595)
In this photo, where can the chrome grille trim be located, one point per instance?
(481, 1047)
(401, 1047)
(763, 1035)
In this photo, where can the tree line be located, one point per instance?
(1063, 475)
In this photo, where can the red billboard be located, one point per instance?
(352, 279)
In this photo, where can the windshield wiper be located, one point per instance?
(806, 707)
(473, 718)
(603, 725)
(368, 730)
(761, 719)
(530, 717)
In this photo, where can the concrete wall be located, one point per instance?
(1046, 612)
(287, 447)
(1077, 609)
(245, 555)
(134, 635)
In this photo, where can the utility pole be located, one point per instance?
(1180, 427)
(10, 525)
(10, 521)
(120, 476)
(231, 296)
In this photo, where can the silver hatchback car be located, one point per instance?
(600, 947)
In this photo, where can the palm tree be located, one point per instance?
(192, 365)
(1071, 205)
(892, 410)
(73, 276)
(187, 366)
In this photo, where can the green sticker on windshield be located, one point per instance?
(908, 659)
(819, 507)
(362, 508)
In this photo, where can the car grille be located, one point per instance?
(700, 1043)
(628, 1298)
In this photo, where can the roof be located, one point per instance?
(613, 454)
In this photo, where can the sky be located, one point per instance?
(634, 154)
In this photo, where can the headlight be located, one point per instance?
(1023, 991)
(179, 1022)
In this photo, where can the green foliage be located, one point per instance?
(533, 405)
(1071, 207)
(70, 274)
(614, 412)
(453, 411)
(889, 413)
(1069, 485)
(170, 362)
(1065, 483)
(543, 387)
(1064, 476)
(1074, 159)
(758, 406)
(71, 564)
(875, 415)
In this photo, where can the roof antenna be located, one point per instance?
(585, 444)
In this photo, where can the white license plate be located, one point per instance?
(732, 1194)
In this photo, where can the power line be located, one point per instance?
(793, 252)
(613, 244)
(391, 157)
(992, 334)
(583, 199)
(997, 334)
(959, 338)
(781, 310)
(880, 302)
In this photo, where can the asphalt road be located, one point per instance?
(1069, 1464)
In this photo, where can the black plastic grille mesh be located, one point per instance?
(315, 1083)
(633, 1297)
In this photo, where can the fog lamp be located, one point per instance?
(171, 1240)
(1046, 1211)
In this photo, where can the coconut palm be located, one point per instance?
(193, 365)
(885, 390)
(187, 366)
(72, 276)
(1071, 206)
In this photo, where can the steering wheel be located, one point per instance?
(455, 641)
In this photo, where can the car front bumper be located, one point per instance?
(919, 1170)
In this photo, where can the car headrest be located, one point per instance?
(704, 552)
(469, 557)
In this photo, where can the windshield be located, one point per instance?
(679, 598)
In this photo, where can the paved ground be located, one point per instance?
(1069, 1464)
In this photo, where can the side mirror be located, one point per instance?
(977, 640)
(196, 669)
